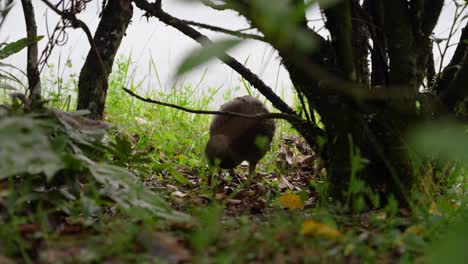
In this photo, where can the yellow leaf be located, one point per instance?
(399, 242)
(313, 228)
(291, 201)
(417, 230)
(349, 249)
(382, 216)
(434, 209)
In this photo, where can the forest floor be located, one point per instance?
(77, 204)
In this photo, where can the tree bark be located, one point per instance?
(364, 137)
(93, 80)
(34, 80)
(374, 13)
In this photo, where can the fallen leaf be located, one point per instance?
(179, 194)
(165, 246)
(306, 160)
(314, 228)
(5, 260)
(283, 183)
(434, 210)
(349, 249)
(220, 196)
(171, 187)
(291, 201)
(234, 201)
(381, 216)
(417, 230)
(289, 157)
(67, 255)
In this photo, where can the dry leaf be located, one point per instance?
(381, 216)
(234, 201)
(306, 160)
(313, 228)
(289, 157)
(283, 183)
(417, 230)
(5, 260)
(291, 201)
(179, 194)
(165, 247)
(434, 210)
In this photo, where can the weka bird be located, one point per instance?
(235, 139)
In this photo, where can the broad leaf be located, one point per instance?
(17, 46)
(179, 176)
(26, 149)
(206, 53)
(444, 139)
(123, 187)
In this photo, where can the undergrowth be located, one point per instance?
(72, 192)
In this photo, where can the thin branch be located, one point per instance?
(209, 112)
(445, 77)
(329, 81)
(236, 33)
(154, 9)
(453, 29)
(77, 23)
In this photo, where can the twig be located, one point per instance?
(236, 33)
(209, 112)
(452, 31)
(77, 23)
(154, 9)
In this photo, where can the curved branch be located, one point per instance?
(77, 23)
(154, 9)
(235, 33)
(209, 112)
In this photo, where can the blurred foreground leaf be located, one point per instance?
(26, 149)
(444, 139)
(451, 248)
(291, 201)
(313, 228)
(204, 54)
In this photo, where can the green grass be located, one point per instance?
(164, 148)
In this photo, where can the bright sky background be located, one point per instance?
(166, 46)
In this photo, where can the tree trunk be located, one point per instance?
(34, 81)
(93, 80)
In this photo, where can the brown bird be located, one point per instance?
(235, 139)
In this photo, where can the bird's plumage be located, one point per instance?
(235, 139)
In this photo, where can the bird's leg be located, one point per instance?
(252, 166)
(211, 170)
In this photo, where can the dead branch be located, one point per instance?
(236, 33)
(77, 23)
(209, 112)
(154, 9)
